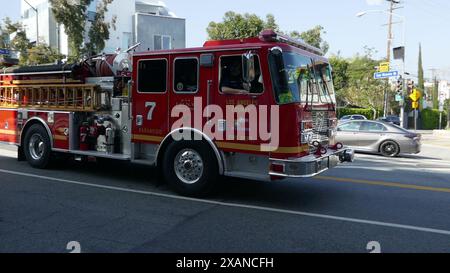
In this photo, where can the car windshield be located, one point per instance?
(297, 78)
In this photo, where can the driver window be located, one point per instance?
(232, 78)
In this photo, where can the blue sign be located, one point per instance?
(386, 75)
(4, 51)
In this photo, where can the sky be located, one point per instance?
(426, 23)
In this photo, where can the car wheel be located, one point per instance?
(389, 149)
(190, 168)
(37, 147)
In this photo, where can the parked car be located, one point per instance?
(352, 117)
(378, 137)
(391, 119)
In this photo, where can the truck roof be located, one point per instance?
(266, 37)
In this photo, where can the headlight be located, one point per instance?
(306, 137)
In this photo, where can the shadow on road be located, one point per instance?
(287, 194)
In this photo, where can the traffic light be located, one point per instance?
(410, 86)
(399, 87)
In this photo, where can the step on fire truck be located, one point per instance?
(121, 107)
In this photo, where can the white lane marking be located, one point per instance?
(393, 169)
(412, 162)
(236, 205)
(400, 159)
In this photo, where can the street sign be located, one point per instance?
(415, 105)
(415, 96)
(384, 67)
(385, 75)
(4, 51)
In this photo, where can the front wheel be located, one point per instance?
(37, 147)
(390, 149)
(190, 168)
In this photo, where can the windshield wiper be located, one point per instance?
(324, 85)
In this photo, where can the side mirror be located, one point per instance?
(248, 69)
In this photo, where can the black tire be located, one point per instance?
(206, 181)
(37, 147)
(390, 149)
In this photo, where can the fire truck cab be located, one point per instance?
(259, 108)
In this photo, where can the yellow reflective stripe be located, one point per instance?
(59, 137)
(148, 138)
(235, 146)
(257, 148)
(7, 132)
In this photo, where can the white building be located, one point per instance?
(147, 21)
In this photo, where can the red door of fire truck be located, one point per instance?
(231, 91)
(191, 84)
(150, 98)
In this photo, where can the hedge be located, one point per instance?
(368, 113)
(430, 119)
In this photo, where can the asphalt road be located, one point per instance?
(403, 204)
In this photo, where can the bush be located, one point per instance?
(368, 113)
(430, 119)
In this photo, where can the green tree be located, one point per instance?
(43, 54)
(19, 42)
(73, 17)
(421, 82)
(436, 94)
(313, 37)
(420, 75)
(99, 31)
(358, 87)
(239, 26)
(340, 75)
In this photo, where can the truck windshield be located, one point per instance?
(300, 79)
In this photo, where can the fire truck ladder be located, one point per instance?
(73, 97)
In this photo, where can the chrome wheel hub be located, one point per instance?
(188, 166)
(36, 146)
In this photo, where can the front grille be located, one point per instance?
(320, 122)
(321, 125)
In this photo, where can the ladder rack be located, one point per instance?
(73, 97)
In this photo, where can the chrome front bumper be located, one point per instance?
(311, 165)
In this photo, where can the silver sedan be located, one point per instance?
(378, 137)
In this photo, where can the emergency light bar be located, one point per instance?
(272, 36)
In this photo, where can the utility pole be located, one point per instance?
(388, 55)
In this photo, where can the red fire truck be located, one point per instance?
(122, 107)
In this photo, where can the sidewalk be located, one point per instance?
(437, 138)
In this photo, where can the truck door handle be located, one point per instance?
(139, 120)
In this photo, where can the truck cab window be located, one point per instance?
(231, 76)
(186, 75)
(152, 76)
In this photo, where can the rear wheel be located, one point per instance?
(37, 147)
(190, 168)
(389, 149)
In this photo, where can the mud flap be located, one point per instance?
(20, 154)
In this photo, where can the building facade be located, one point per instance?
(149, 22)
